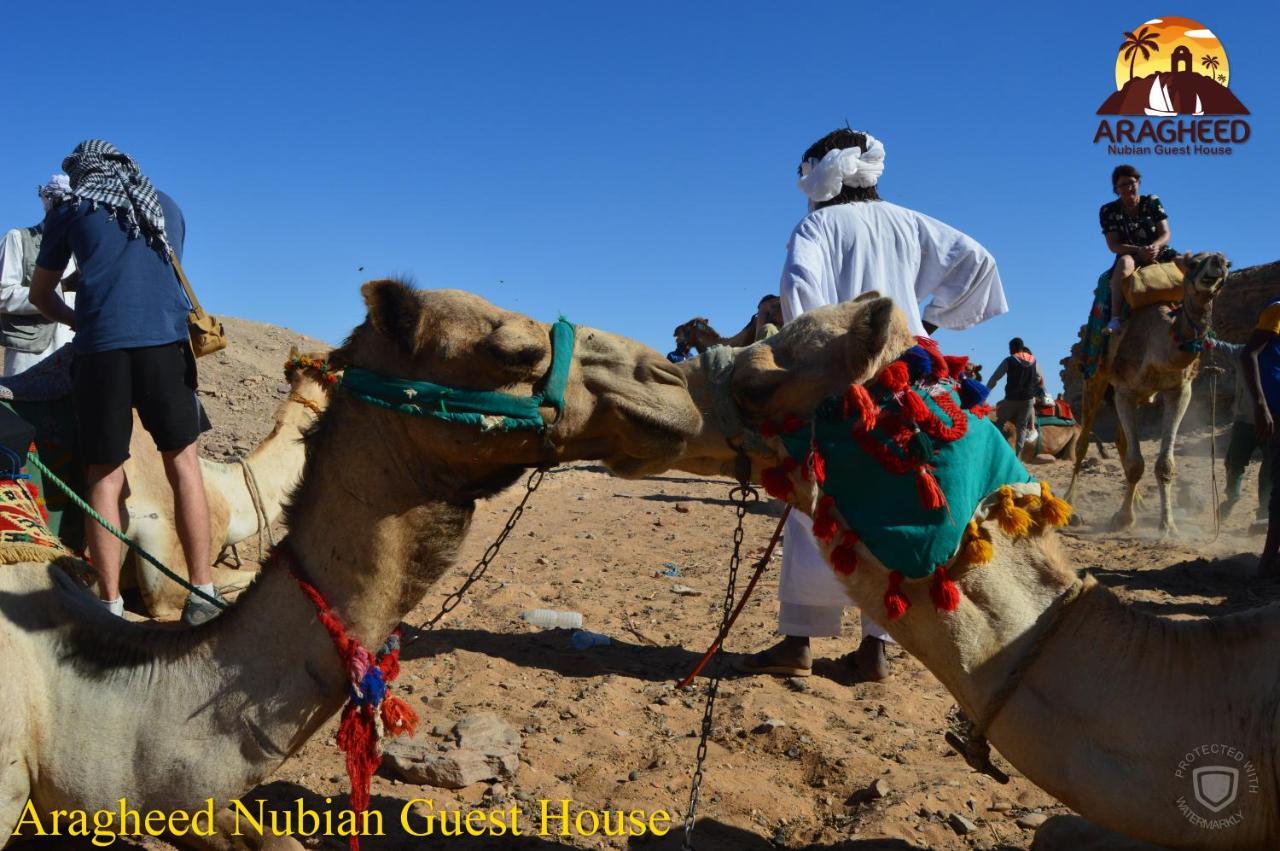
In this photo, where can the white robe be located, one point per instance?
(15, 298)
(836, 254)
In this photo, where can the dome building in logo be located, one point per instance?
(1172, 66)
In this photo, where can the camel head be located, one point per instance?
(696, 334)
(623, 404)
(1206, 272)
(819, 354)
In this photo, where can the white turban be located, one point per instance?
(824, 179)
(58, 187)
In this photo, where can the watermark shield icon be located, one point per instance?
(1215, 786)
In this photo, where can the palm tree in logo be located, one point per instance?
(1144, 42)
(1210, 62)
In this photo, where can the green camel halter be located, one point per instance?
(489, 409)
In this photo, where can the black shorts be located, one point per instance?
(160, 381)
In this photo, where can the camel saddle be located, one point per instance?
(1159, 283)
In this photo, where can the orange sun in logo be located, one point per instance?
(1172, 66)
(1152, 47)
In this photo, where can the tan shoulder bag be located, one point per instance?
(207, 334)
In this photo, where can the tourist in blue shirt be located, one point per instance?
(132, 349)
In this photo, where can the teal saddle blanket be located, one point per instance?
(884, 507)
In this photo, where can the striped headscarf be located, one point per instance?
(101, 174)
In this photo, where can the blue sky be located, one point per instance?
(627, 166)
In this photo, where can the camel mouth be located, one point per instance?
(649, 443)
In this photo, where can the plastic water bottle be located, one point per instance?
(584, 640)
(551, 619)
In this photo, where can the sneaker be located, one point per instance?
(1112, 327)
(198, 610)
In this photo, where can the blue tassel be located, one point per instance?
(373, 686)
(972, 393)
(918, 362)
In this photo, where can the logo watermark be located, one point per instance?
(1171, 73)
(1215, 776)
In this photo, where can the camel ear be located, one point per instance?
(869, 295)
(395, 311)
(868, 335)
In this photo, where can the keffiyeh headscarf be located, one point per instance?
(101, 174)
(826, 178)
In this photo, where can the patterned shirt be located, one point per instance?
(1140, 229)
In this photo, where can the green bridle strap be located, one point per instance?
(488, 409)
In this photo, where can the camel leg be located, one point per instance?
(1175, 407)
(1095, 390)
(15, 783)
(1130, 456)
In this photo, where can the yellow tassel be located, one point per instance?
(977, 548)
(1014, 521)
(1053, 511)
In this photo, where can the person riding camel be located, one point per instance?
(1136, 228)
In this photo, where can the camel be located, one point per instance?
(698, 335)
(1112, 709)
(273, 467)
(1054, 441)
(179, 717)
(1155, 353)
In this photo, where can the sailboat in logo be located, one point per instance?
(1159, 103)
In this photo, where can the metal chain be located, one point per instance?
(742, 496)
(530, 485)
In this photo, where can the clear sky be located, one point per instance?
(627, 166)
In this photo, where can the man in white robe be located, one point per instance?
(849, 244)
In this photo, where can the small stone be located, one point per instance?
(769, 725)
(793, 753)
(1031, 821)
(633, 776)
(1000, 807)
(413, 762)
(878, 789)
(961, 825)
(685, 590)
(444, 728)
(682, 508)
(799, 684)
(559, 740)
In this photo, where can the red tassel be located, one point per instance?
(858, 402)
(398, 718)
(768, 428)
(895, 602)
(945, 594)
(896, 376)
(359, 741)
(981, 411)
(915, 408)
(844, 558)
(824, 525)
(956, 365)
(819, 467)
(791, 423)
(931, 495)
(776, 483)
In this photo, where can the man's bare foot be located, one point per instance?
(870, 660)
(790, 657)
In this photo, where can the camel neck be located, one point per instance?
(237, 697)
(1112, 699)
